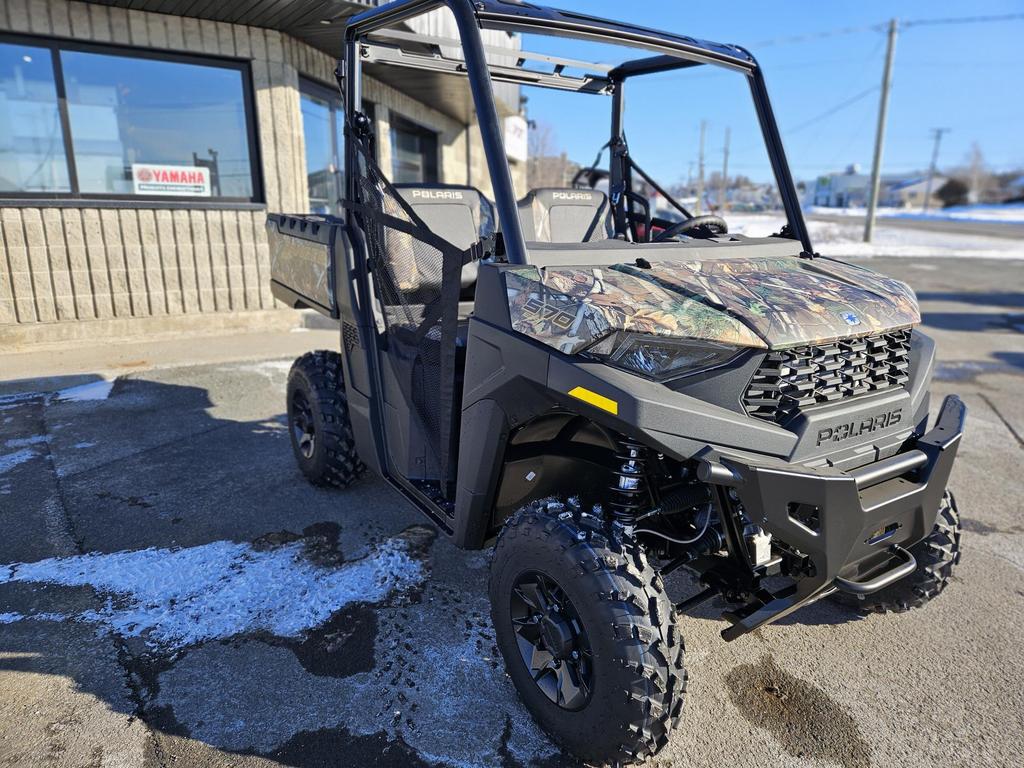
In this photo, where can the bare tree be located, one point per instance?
(548, 165)
(980, 180)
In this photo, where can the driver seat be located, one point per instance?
(557, 215)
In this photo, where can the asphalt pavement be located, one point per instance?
(172, 593)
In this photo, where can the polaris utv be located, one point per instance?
(605, 395)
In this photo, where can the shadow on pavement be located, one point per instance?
(182, 512)
(982, 298)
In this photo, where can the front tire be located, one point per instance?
(936, 557)
(318, 421)
(588, 634)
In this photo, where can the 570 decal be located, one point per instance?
(534, 309)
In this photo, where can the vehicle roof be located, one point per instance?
(528, 17)
(530, 14)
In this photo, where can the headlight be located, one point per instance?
(660, 357)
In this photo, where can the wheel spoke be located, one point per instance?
(532, 595)
(528, 629)
(540, 661)
(570, 687)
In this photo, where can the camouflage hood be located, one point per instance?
(761, 302)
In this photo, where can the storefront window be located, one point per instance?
(145, 126)
(86, 121)
(32, 157)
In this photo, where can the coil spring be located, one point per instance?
(629, 492)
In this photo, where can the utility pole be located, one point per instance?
(937, 135)
(883, 109)
(725, 173)
(700, 168)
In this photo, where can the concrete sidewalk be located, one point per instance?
(54, 366)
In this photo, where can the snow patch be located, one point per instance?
(82, 445)
(11, 460)
(94, 390)
(21, 442)
(10, 618)
(179, 597)
(434, 668)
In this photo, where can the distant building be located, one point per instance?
(909, 193)
(841, 190)
(851, 189)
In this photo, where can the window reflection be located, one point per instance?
(146, 126)
(32, 157)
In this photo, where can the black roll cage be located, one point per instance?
(674, 52)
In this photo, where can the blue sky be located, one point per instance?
(963, 77)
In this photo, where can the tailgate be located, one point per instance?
(302, 260)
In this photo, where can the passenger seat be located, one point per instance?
(550, 215)
(461, 215)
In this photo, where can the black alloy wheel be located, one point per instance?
(318, 422)
(303, 424)
(552, 640)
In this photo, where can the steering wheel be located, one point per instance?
(711, 226)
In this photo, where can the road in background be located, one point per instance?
(1008, 229)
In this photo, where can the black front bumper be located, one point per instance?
(854, 527)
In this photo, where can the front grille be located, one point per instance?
(790, 380)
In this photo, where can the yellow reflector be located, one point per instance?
(596, 400)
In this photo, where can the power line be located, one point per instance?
(881, 27)
(961, 20)
(832, 110)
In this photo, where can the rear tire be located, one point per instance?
(936, 557)
(318, 421)
(630, 652)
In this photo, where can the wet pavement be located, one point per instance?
(172, 592)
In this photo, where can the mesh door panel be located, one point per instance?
(409, 275)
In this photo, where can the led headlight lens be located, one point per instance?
(660, 357)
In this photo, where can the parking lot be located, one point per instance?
(172, 592)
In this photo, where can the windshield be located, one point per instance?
(602, 140)
(693, 132)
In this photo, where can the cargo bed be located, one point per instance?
(302, 260)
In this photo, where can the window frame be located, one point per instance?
(55, 45)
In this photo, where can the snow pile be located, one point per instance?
(179, 597)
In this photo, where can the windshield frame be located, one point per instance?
(669, 51)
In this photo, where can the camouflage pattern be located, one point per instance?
(573, 307)
(774, 302)
(302, 265)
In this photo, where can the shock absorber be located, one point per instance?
(629, 492)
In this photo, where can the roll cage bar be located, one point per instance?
(671, 52)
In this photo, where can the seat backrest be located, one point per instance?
(460, 215)
(551, 215)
